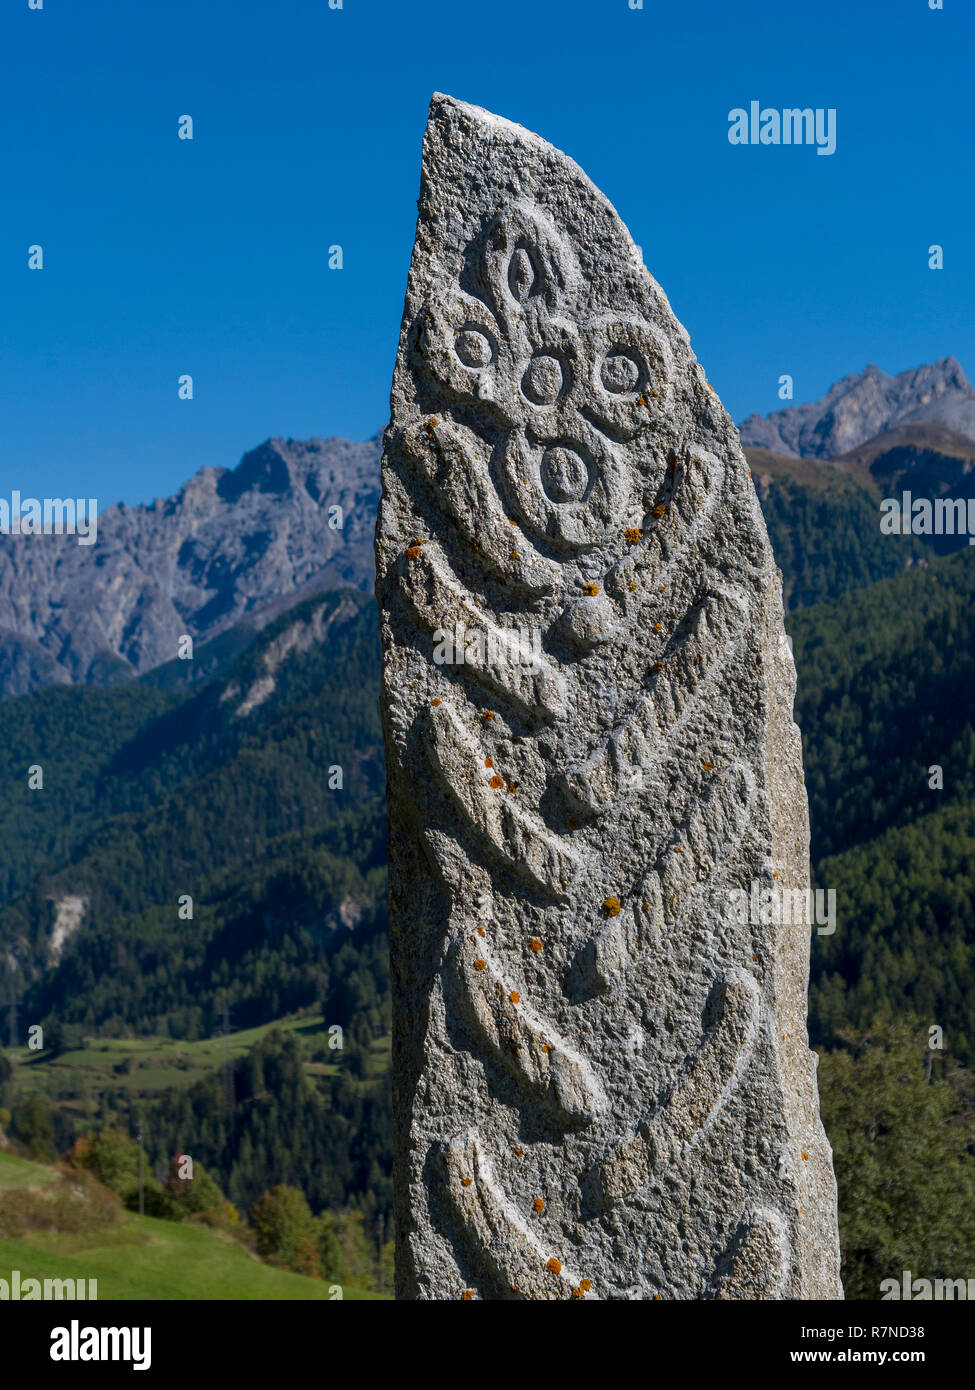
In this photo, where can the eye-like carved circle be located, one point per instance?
(544, 381)
(473, 347)
(564, 474)
(620, 372)
(521, 275)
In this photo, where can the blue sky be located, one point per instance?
(209, 257)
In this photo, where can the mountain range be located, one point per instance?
(230, 550)
(864, 405)
(235, 547)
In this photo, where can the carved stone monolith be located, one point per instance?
(598, 829)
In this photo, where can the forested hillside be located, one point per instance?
(201, 859)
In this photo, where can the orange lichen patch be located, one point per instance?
(658, 666)
(519, 1153)
(585, 1286)
(435, 702)
(513, 1289)
(661, 587)
(611, 907)
(535, 945)
(480, 931)
(514, 996)
(545, 1047)
(466, 1182)
(591, 589)
(656, 1298)
(512, 787)
(805, 1156)
(645, 905)
(633, 534)
(775, 873)
(577, 1293)
(710, 387)
(467, 1295)
(538, 1204)
(554, 1266)
(658, 510)
(653, 393)
(658, 627)
(488, 714)
(707, 765)
(677, 849)
(641, 400)
(496, 781)
(488, 762)
(631, 584)
(754, 957)
(412, 551)
(480, 965)
(514, 554)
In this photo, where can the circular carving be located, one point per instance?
(474, 347)
(521, 275)
(620, 372)
(544, 380)
(564, 474)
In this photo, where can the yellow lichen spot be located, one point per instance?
(611, 907)
(513, 520)
(591, 589)
(658, 627)
(488, 714)
(431, 424)
(496, 782)
(545, 1047)
(480, 965)
(514, 996)
(632, 585)
(480, 931)
(586, 1285)
(519, 1153)
(412, 552)
(538, 1204)
(535, 945)
(467, 1295)
(658, 510)
(633, 535)
(804, 1156)
(488, 762)
(653, 393)
(658, 666)
(707, 765)
(554, 1266)
(435, 702)
(466, 1182)
(512, 787)
(513, 555)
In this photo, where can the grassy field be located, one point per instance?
(142, 1066)
(148, 1259)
